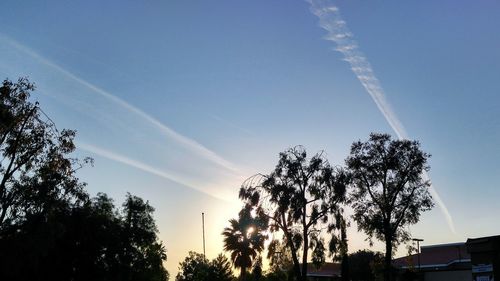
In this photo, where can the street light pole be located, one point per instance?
(418, 250)
(203, 229)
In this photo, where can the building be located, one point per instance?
(485, 257)
(439, 262)
(477, 259)
(327, 272)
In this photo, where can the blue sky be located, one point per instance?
(179, 101)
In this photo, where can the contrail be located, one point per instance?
(338, 32)
(185, 141)
(142, 166)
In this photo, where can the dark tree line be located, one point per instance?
(50, 228)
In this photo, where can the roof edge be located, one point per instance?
(443, 245)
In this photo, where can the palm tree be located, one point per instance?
(244, 239)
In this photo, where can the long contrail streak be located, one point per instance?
(142, 166)
(185, 141)
(338, 32)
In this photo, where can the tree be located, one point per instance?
(244, 239)
(142, 255)
(300, 198)
(50, 228)
(36, 171)
(279, 256)
(389, 191)
(79, 242)
(220, 269)
(362, 263)
(196, 267)
(280, 261)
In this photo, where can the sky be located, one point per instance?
(179, 102)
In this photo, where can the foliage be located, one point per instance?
(36, 171)
(50, 228)
(257, 273)
(389, 191)
(82, 243)
(220, 269)
(300, 198)
(280, 261)
(279, 257)
(142, 253)
(244, 239)
(196, 267)
(362, 264)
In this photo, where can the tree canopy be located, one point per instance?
(50, 227)
(363, 265)
(388, 188)
(36, 170)
(244, 239)
(196, 267)
(300, 198)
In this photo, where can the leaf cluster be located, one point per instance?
(244, 238)
(196, 267)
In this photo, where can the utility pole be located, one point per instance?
(418, 250)
(203, 229)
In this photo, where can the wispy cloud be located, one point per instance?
(190, 144)
(331, 20)
(144, 167)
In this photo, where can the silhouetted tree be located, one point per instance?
(196, 267)
(49, 227)
(142, 254)
(244, 239)
(36, 171)
(257, 270)
(362, 263)
(279, 257)
(389, 191)
(300, 197)
(84, 242)
(220, 269)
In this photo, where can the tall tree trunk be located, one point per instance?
(295, 259)
(345, 258)
(304, 258)
(388, 259)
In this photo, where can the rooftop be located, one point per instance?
(436, 256)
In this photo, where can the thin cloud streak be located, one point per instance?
(338, 32)
(142, 166)
(185, 141)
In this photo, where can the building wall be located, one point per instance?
(457, 275)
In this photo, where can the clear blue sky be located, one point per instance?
(179, 101)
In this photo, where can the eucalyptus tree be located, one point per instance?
(389, 189)
(36, 169)
(302, 197)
